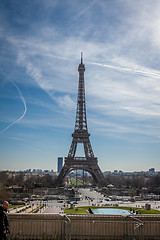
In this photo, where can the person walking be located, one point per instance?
(4, 224)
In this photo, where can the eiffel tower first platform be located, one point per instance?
(89, 163)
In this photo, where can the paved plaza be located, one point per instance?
(53, 210)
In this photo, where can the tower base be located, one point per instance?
(88, 165)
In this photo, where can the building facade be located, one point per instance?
(60, 164)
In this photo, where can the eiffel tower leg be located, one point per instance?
(93, 168)
(83, 177)
(62, 174)
(73, 148)
(88, 149)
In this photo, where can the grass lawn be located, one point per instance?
(73, 182)
(76, 210)
(15, 206)
(84, 210)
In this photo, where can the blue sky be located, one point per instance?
(40, 46)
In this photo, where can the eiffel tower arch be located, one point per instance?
(89, 163)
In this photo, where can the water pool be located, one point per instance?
(112, 211)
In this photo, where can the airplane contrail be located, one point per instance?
(25, 108)
(154, 74)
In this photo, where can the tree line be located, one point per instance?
(118, 181)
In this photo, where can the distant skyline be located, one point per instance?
(40, 47)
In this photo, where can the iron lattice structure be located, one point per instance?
(88, 163)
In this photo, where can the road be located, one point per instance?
(90, 197)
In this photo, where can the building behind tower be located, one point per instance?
(60, 164)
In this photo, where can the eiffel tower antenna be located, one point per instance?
(81, 58)
(88, 163)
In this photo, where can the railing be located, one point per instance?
(106, 227)
(39, 226)
(74, 227)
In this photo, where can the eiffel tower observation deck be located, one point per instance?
(89, 163)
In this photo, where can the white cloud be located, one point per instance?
(66, 102)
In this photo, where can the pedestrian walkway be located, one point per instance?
(54, 209)
(23, 209)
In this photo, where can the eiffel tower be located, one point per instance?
(89, 163)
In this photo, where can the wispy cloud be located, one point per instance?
(147, 73)
(108, 91)
(140, 94)
(121, 86)
(66, 101)
(25, 107)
